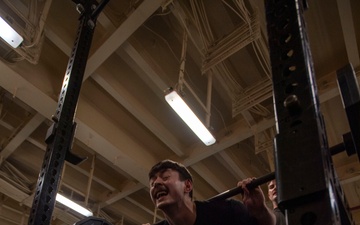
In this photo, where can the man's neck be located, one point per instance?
(275, 205)
(181, 214)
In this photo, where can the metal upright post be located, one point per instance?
(306, 181)
(60, 134)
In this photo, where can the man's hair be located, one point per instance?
(184, 173)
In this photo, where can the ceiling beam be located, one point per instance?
(22, 197)
(145, 71)
(141, 113)
(209, 177)
(239, 132)
(133, 59)
(125, 30)
(35, 98)
(143, 208)
(21, 136)
(231, 165)
(126, 191)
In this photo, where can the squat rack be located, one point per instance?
(300, 144)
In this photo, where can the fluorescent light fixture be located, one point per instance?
(188, 116)
(72, 205)
(9, 34)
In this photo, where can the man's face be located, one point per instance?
(272, 190)
(166, 188)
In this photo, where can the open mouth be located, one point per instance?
(160, 194)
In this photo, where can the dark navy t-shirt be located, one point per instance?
(227, 212)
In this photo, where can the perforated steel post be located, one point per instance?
(60, 135)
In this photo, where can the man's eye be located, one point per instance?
(166, 177)
(152, 183)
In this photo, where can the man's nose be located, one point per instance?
(157, 182)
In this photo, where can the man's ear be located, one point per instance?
(188, 186)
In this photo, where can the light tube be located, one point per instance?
(9, 34)
(188, 116)
(72, 205)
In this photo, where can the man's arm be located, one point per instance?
(254, 201)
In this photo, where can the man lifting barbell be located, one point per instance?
(171, 188)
